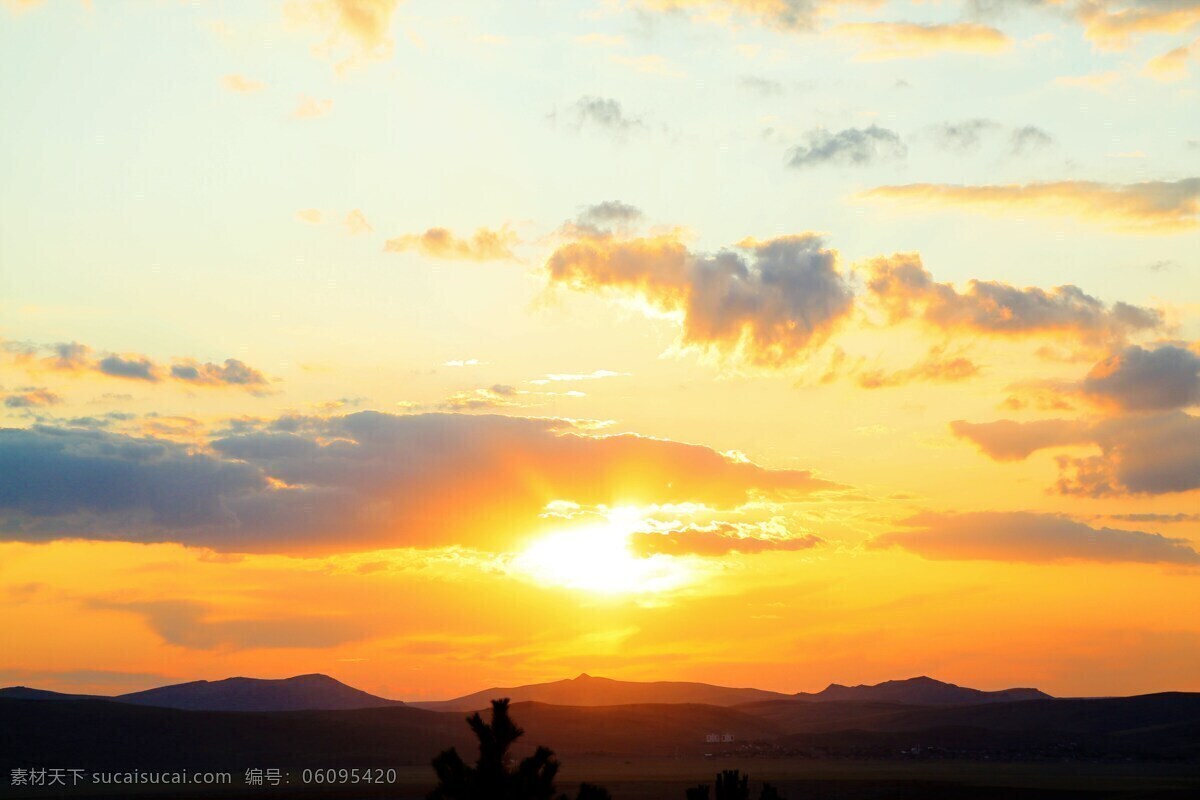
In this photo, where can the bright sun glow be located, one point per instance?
(598, 558)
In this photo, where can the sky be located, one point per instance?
(444, 345)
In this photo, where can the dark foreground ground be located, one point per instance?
(666, 778)
(1139, 747)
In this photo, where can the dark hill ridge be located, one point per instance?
(586, 690)
(97, 734)
(301, 693)
(922, 691)
(321, 692)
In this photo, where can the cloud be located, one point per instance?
(310, 216)
(579, 376)
(233, 373)
(484, 245)
(1173, 65)
(1031, 538)
(1148, 453)
(242, 84)
(190, 624)
(31, 397)
(648, 65)
(496, 396)
(784, 14)
(609, 215)
(964, 136)
(356, 482)
(1114, 29)
(1009, 440)
(356, 223)
(902, 286)
(850, 147)
(1029, 139)
(133, 367)
(73, 357)
(767, 303)
(715, 540)
(1096, 82)
(936, 367)
(603, 113)
(311, 108)
(889, 40)
(1149, 207)
(1156, 517)
(763, 86)
(355, 30)
(1137, 379)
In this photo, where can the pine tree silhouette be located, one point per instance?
(732, 785)
(769, 792)
(491, 778)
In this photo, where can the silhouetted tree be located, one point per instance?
(491, 778)
(588, 791)
(769, 792)
(732, 785)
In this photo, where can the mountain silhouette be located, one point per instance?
(921, 691)
(586, 690)
(301, 693)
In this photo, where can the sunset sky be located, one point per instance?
(444, 345)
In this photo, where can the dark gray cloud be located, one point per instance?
(763, 86)
(767, 302)
(134, 367)
(1028, 140)
(78, 358)
(232, 373)
(603, 113)
(964, 136)
(1147, 453)
(850, 147)
(902, 286)
(355, 482)
(607, 216)
(1035, 538)
(31, 397)
(89, 483)
(1137, 379)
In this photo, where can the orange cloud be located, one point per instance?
(1114, 30)
(362, 481)
(241, 84)
(1173, 65)
(879, 41)
(716, 540)
(1035, 538)
(358, 30)
(936, 367)
(902, 286)
(767, 303)
(1150, 207)
(311, 108)
(31, 397)
(73, 357)
(484, 245)
(1147, 453)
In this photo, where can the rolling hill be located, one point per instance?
(586, 690)
(301, 693)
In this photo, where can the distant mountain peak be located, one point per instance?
(921, 690)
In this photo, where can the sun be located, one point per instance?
(597, 558)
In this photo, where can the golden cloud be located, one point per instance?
(1149, 207)
(880, 41)
(484, 245)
